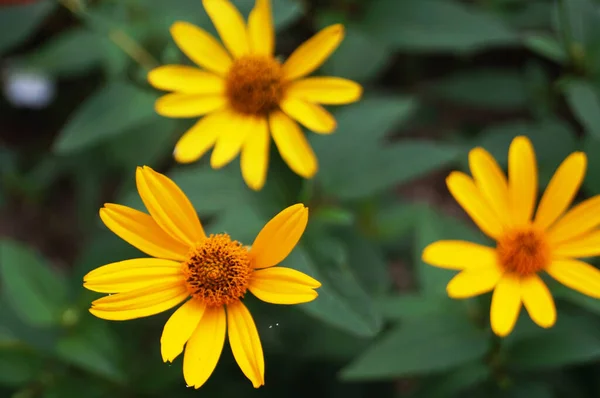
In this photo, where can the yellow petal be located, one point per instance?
(179, 329)
(260, 28)
(523, 179)
(255, 155)
(141, 302)
(538, 301)
(186, 79)
(312, 116)
(169, 206)
(230, 24)
(245, 343)
(325, 90)
(201, 47)
(142, 232)
(580, 219)
(467, 195)
(561, 190)
(577, 275)
(587, 245)
(506, 304)
(280, 285)
(128, 275)
(459, 255)
(491, 182)
(204, 348)
(313, 52)
(231, 139)
(279, 236)
(473, 282)
(189, 105)
(201, 137)
(292, 144)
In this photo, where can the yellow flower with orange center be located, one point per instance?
(247, 94)
(213, 273)
(526, 245)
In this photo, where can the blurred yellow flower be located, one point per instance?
(525, 245)
(246, 93)
(214, 272)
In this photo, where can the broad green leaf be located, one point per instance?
(92, 347)
(546, 46)
(425, 345)
(413, 306)
(576, 20)
(114, 109)
(70, 53)
(585, 104)
(342, 302)
(530, 389)
(573, 340)
(432, 227)
(553, 141)
(14, 332)
(591, 146)
(19, 366)
(394, 221)
(473, 88)
(435, 26)
(36, 292)
(348, 60)
(20, 21)
(456, 382)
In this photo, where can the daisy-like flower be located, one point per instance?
(210, 274)
(246, 92)
(551, 241)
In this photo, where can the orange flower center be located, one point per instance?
(218, 270)
(254, 85)
(523, 251)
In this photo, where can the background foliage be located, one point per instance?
(441, 76)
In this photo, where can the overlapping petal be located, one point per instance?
(538, 301)
(179, 329)
(491, 182)
(325, 90)
(459, 255)
(261, 31)
(474, 281)
(293, 145)
(231, 139)
(312, 116)
(186, 79)
(245, 343)
(169, 206)
(577, 275)
(230, 24)
(201, 137)
(579, 220)
(280, 285)
(189, 105)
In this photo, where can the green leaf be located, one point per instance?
(18, 366)
(70, 53)
(348, 60)
(591, 146)
(113, 109)
(424, 345)
(92, 347)
(583, 99)
(35, 291)
(434, 226)
(530, 390)
(396, 220)
(547, 46)
(413, 306)
(434, 26)
(456, 382)
(473, 88)
(20, 21)
(354, 163)
(342, 301)
(573, 340)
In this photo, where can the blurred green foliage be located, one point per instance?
(440, 77)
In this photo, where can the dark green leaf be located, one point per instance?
(35, 291)
(434, 25)
(113, 109)
(19, 365)
(425, 345)
(456, 381)
(20, 21)
(473, 88)
(591, 146)
(585, 104)
(412, 306)
(546, 46)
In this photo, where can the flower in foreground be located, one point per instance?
(247, 94)
(551, 241)
(211, 274)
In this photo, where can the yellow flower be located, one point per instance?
(214, 272)
(246, 93)
(550, 241)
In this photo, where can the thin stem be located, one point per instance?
(118, 36)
